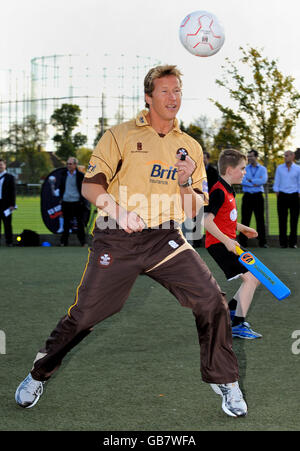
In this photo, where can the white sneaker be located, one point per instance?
(233, 402)
(29, 391)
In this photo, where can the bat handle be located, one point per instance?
(239, 251)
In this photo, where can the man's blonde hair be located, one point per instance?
(159, 72)
(230, 158)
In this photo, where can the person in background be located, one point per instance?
(7, 202)
(72, 201)
(211, 171)
(287, 188)
(253, 200)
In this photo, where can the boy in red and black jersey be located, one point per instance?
(221, 226)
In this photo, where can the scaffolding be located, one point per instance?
(106, 87)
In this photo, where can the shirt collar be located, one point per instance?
(251, 165)
(228, 187)
(3, 173)
(287, 165)
(69, 173)
(141, 121)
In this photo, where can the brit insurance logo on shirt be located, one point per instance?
(162, 172)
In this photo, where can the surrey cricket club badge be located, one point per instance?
(105, 260)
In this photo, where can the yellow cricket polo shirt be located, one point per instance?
(139, 168)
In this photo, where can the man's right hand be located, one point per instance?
(97, 195)
(130, 221)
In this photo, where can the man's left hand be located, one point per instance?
(185, 169)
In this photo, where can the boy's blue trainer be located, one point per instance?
(244, 330)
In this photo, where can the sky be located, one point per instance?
(33, 28)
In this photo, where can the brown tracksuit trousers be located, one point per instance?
(115, 261)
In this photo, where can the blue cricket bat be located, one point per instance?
(263, 274)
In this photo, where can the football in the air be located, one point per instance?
(201, 33)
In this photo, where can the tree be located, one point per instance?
(83, 155)
(25, 140)
(65, 119)
(101, 127)
(195, 131)
(208, 128)
(267, 105)
(204, 131)
(227, 136)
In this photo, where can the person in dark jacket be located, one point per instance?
(72, 201)
(211, 171)
(7, 202)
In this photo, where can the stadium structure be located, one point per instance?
(103, 86)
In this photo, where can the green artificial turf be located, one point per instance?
(139, 369)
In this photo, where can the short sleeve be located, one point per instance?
(216, 200)
(105, 158)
